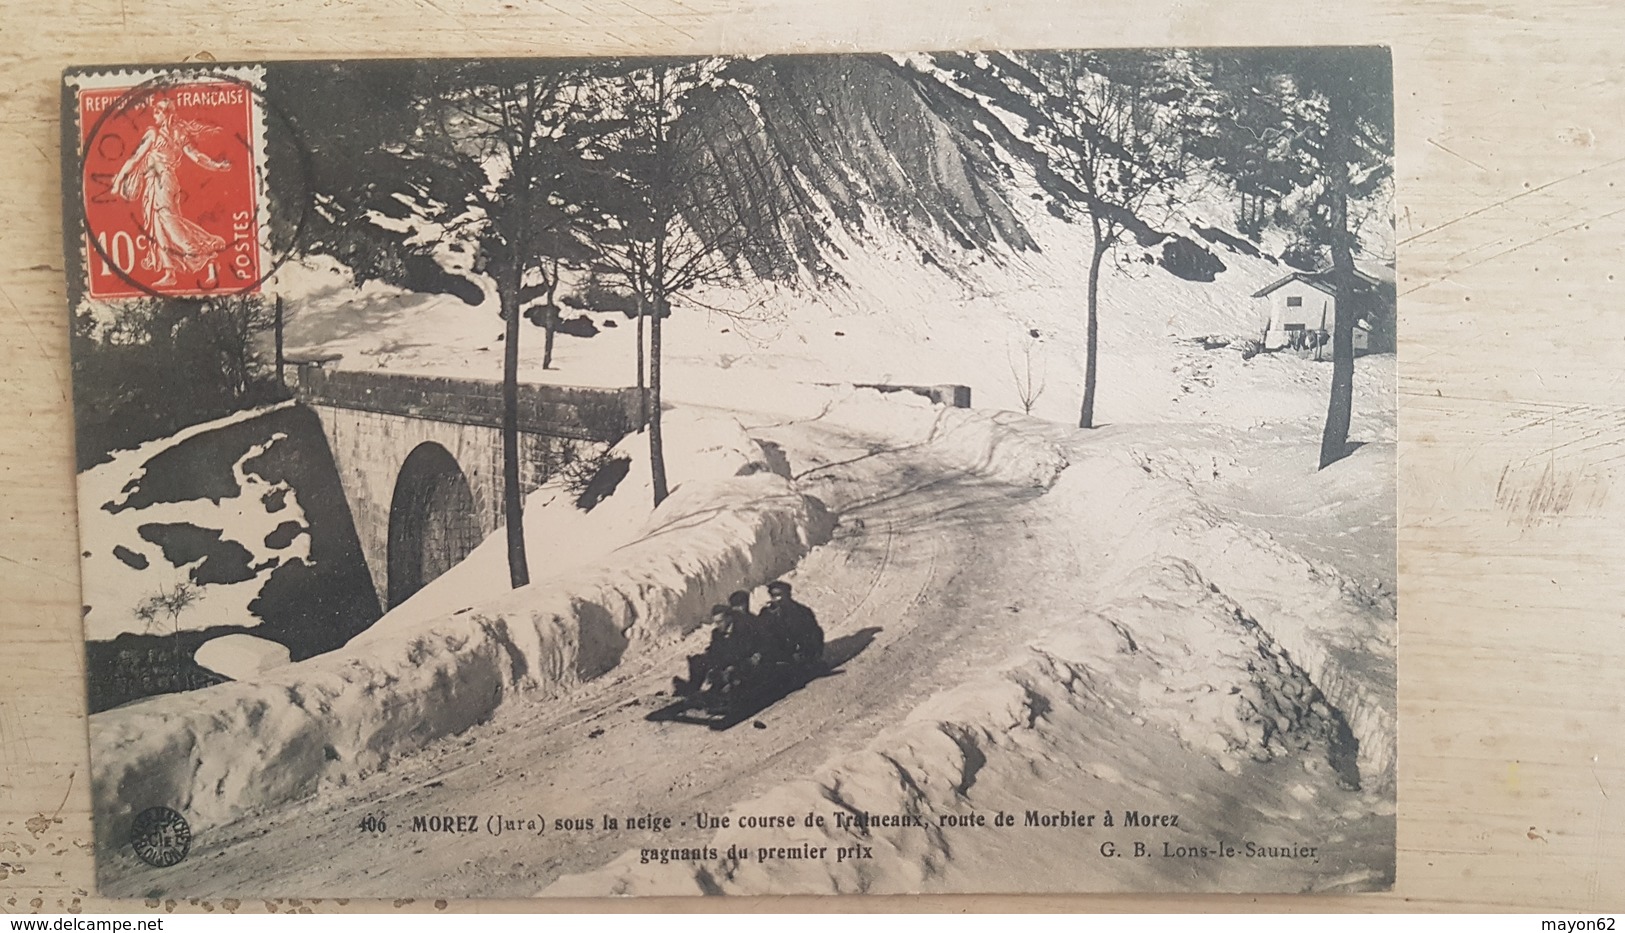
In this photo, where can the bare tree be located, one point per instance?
(1101, 133)
(234, 324)
(691, 209)
(1029, 387)
(1109, 130)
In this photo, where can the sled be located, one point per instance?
(720, 711)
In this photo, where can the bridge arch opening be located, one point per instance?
(432, 522)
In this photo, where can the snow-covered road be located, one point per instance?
(938, 577)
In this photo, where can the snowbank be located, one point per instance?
(1341, 633)
(562, 539)
(241, 657)
(998, 445)
(220, 753)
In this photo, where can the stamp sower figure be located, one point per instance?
(792, 628)
(149, 178)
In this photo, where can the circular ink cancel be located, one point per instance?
(161, 837)
(293, 194)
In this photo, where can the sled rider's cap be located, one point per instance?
(739, 598)
(719, 610)
(779, 586)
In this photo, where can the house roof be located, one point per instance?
(1320, 279)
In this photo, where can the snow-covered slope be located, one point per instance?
(999, 316)
(123, 568)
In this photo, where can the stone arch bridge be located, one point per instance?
(420, 458)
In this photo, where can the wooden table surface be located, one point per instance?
(1511, 216)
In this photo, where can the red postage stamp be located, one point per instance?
(172, 186)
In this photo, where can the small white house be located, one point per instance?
(1303, 309)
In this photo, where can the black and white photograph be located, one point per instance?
(930, 472)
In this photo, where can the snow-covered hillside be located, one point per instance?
(252, 523)
(234, 526)
(897, 319)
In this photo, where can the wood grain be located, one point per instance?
(1511, 131)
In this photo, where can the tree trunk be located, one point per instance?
(512, 496)
(657, 447)
(643, 392)
(1334, 440)
(550, 313)
(1086, 419)
(547, 340)
(663, 192)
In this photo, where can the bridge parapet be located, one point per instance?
(949, 394)
(574, 412)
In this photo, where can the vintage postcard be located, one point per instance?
(922, 472)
